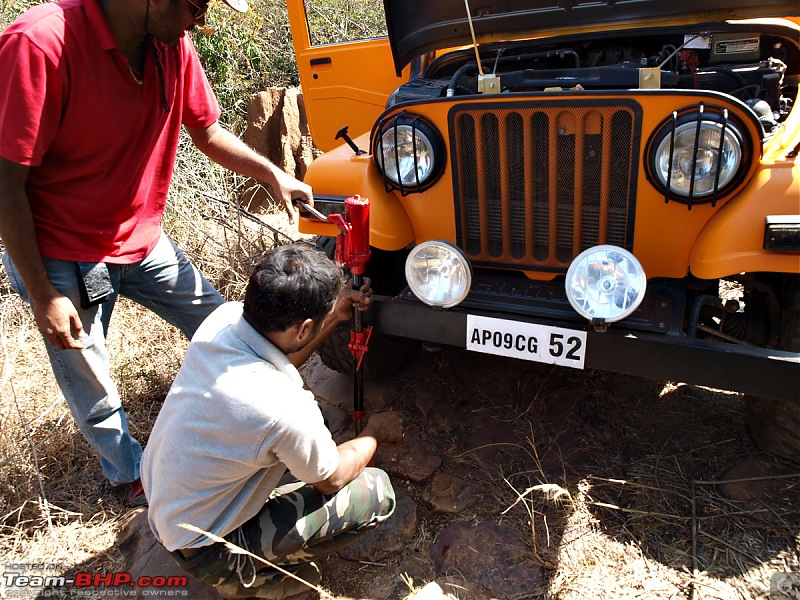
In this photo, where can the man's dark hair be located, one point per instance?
(291, 284)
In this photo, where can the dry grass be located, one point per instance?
(646, 516)
(648, 556)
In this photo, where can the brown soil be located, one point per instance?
(623, 487)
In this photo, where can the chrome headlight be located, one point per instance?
(439, 273)
(409, 152)
(606, 283)
(697, 156)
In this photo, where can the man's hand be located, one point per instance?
(355, 454)
(224, 148)
(59, 322)
(350, 298)
(54, 313)
(289, 189)
(386, 427)
(342, 311)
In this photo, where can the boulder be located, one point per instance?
(390, 537)
(277, 127)
(146, 557)
(491, 555)
(413, 460)
(449, 494)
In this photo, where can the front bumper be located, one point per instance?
(747, 369)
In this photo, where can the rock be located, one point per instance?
(440, 415)
(389, 537)
(277, 127)
(339, 421)
(495, 447)
(415, 571)
(144, 556)
(337, 388)
(410, 460)
(328, 385)
(448, 494)
(425, 401)
(379, 394)
(760, 478)
(488, 554)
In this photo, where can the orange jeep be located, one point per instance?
(608, 185)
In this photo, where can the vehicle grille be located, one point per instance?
(537, 183)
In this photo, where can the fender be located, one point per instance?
(342, 173)
(733, 240)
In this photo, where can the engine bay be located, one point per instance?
(760, 67)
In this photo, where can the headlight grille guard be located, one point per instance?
(704, 113)
(392, 122)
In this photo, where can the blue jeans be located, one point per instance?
(166, 283)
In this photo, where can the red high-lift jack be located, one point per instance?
(352, 251)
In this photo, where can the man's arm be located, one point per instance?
(224, 148)
(348, 298)
(54, 313)
(355, 454)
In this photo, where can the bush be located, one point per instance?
(245, 54)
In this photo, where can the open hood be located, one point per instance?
(419, 26)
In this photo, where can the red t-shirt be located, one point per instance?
(100, 146)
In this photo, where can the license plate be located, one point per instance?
(528, 341)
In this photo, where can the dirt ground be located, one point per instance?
(621, 487)
(616, 487)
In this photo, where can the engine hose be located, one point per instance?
(464, 69)
(460, 72)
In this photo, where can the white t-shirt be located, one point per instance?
(235, 419)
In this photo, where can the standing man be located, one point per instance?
(237, 417)
(94, 94)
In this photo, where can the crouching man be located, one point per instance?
(237, 417)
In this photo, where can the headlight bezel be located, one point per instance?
(698, 116)
(416, 123)
(463, 260)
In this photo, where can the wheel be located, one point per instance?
(775, 424)
(386, 353)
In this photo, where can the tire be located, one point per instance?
(775, 424)
(386, 353)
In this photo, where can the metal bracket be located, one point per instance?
(359, 344)
(489, 84)
(649, 78)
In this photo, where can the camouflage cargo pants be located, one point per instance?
(296, 525)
